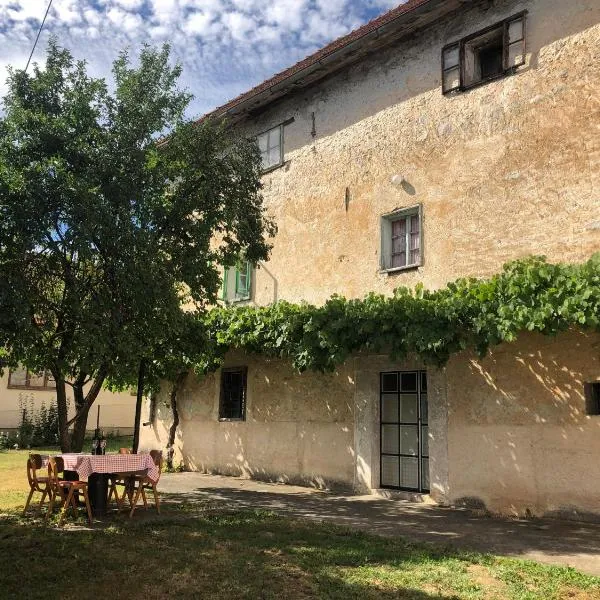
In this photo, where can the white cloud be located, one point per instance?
(199, 23)
(238, 24)
(225, 46)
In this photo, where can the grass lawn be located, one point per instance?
(207, 550)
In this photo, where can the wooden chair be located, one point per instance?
(145, 483)
(120, 479)
(65, 489)
(36, 484)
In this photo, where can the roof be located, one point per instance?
(391, 26)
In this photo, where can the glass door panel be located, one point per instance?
(404, 432)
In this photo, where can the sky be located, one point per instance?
(225, 46)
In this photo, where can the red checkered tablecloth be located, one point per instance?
(86, 464)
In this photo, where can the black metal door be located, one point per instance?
(404, 433)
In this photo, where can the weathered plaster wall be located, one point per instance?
(505, 170)
(518, 437)
(507, 433)
(298, 428)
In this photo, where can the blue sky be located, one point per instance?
(225, 46)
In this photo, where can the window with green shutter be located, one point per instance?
(243, 281)
(237, 283)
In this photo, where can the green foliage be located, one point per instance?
(104, 233)
(528, 295)
(36, 428)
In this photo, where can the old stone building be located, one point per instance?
(440, 140)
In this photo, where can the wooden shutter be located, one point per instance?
(243, 281)
(451, 68)
(514, 42)
(224, 288)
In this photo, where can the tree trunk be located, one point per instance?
(80, 425)
(138, 405)
(61, 409)
(82, 407)
(175, 423)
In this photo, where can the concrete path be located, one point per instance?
(572, 543)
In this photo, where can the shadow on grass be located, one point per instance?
(195, 551)
(210, 549)
(460, 527)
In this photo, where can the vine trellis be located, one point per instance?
(530, 294)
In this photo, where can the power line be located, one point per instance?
(38, 35)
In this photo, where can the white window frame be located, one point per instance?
(386, 238)
(48, 381)
(267, 133)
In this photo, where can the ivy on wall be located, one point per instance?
(528, 295)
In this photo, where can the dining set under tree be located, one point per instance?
(66, 480)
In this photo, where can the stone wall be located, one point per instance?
(508, 169)
(519, 440)
(298, 427)
(507, 433)
(505, 170)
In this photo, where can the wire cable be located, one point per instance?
(38, 35)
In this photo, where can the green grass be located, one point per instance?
(206, 550)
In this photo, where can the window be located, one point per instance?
(401, 239)
(270, 144)
(488, 54)
(232, 404)
(592, 398)
(237, 283)
(21, 378)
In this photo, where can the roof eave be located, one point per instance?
(403, 25)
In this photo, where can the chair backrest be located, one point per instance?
(34, 462)
(157, 457)
(56, 465)
(124, 450)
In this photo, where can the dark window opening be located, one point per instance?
(592, 398)
(232, 403)
(490, 60)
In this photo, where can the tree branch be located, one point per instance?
(92, 393)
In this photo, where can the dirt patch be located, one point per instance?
(494, 588)
(567, 593)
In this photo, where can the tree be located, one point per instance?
(104, 233)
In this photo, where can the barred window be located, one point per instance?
(232, 404)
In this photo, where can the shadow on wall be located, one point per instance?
(284, 459)
(523, 409)
(298, 427)
(274, 282)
